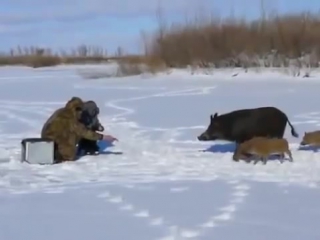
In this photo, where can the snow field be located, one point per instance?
(158, 182)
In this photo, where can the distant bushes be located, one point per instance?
(135, 65)
(280, 41)
(128, 65)
(40, 57)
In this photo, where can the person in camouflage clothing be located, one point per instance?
(63, 127)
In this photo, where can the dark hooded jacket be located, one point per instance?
(64, 128)
(89, 116)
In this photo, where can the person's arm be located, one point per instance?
(83, 132)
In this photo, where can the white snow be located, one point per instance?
(158, 181)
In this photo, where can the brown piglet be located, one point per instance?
(263, 147)
(311, 138)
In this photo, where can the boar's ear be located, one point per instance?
(214, 116)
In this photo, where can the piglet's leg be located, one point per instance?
(264, 159)
(290, 155)
(256, 160)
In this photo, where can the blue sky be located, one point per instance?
(110, 23)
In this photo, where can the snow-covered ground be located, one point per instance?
(158, 181)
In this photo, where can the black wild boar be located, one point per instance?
(242, 125)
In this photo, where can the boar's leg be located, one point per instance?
(244, 155)
(236, 153)
(290, 155)
(264, 159)
(256, 160)
(281, 159)
(235, 158)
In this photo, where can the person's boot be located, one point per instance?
(94, 150)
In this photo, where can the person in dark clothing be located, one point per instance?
(89, 118)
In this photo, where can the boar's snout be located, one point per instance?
(203, 137)
(303, 143)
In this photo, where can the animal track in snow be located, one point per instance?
(126, 206)
(143, 213)
(227, 212)
(179, 189)
(240, 192)
(156, 221)
(115, 199)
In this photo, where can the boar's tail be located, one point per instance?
(293, 131)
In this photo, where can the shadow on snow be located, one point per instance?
(308, 148)
(230, 147)
(221, 148)
(103, 146)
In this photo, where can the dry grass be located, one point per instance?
(279, 41)
(135, 65)
(126, 66)
(39, 57)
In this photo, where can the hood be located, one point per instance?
(91, 108)
(75, 103)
